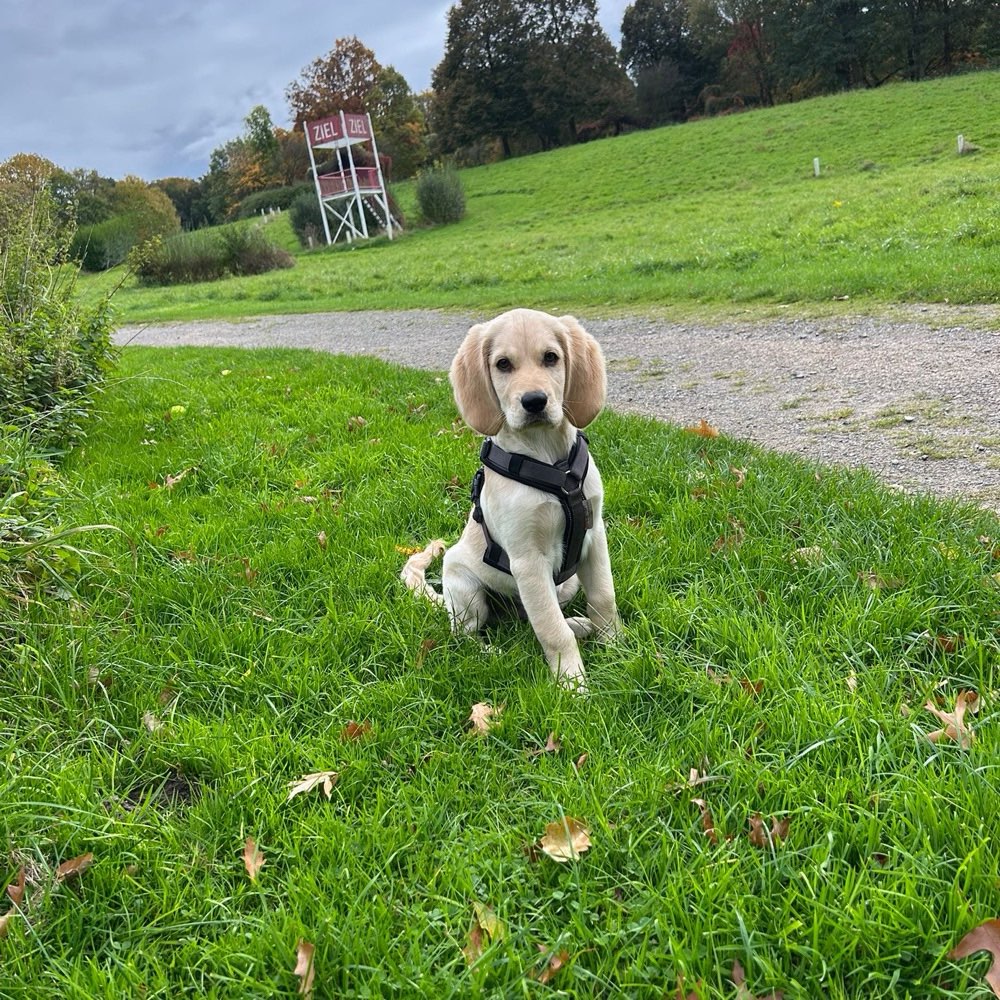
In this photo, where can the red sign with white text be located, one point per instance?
(330, 131)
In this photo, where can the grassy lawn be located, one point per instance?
(711, 213)
(785, 624)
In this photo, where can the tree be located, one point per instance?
(662, 53)
(183, 194)
(525, 69)
(398, 123)
(149, 210)
(343, 80)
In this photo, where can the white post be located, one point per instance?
(815, 166)
(961, 145)
(381, 182)
(319, 192)
(354, 178)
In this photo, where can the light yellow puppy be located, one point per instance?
(530, 381)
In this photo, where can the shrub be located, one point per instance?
(210, 254)
(306, 218)
(440, 196)
(104, 245)
(53, 353)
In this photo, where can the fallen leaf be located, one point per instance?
(151, 722)
(484, 716)
(740, 474)
(760, 836)
(248, 571)
(74, 867)
(703, 429)
(170, 482)
(852, 682)
(872, 579)
(321, 539)
(425, 647)
(355, 731)
(485, 925)
(304, 967)
(954, 722)
(253, 860)
(356, 423)
(985, 937)
(565, 840)
(706, 821)
(407, 550)
(742, 992)
(752, 688)
(580, 761)
(555, 961)
(15, 891)
(552, 745)
(326, 779)
(949, 643)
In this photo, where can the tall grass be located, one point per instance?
(714, 212)
(784, 626)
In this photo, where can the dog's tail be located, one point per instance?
(414, 573)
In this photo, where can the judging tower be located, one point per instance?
(344, 193)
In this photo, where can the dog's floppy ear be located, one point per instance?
(470, 380)
(586, 383)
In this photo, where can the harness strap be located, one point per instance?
(564, 480)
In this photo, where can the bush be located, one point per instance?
(210, 254)
(53, 354)
(306, 218)
(104, 245)
(440, 196)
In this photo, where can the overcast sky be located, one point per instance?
(151, 88)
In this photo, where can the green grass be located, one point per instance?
(706, 214)
(219, 612)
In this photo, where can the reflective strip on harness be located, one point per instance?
(564, 481)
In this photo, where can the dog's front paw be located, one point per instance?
(581, 626)
(610, 631)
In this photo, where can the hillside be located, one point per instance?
(717, 211)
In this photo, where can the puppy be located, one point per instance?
(529, 381)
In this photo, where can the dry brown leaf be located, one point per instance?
(15, 891)
(565, 840)
(949, 643)
(486, 927)
(151, 722)
(760, 836)
(171, 481)
(552, 745)
(248, 571)
(752, 688)
(324, 779)
(740, 474)
(321, 539)
(356, 423)
(985, 937)
(742, 992)
(955, 727)
(484, 716)
(425, 647)
(703, 429)
(706, 820)
(304, 967)
(5, 922)
(580, 761)
(852, 682)
(555, 961)
(355, 731)
(74, 867)
(253, 860)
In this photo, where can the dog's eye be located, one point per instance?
(550, 358)
(503, 364)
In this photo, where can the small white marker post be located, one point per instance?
(815, 166)
(961, 145)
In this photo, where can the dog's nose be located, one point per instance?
(534, 401)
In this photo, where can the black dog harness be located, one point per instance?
(564, 481)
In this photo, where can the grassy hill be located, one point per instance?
(718, 211)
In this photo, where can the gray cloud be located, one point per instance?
(123, 87)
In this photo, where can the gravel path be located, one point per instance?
(913, 397)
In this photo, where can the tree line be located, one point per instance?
(518, 76)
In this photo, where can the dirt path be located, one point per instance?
(914, 397)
